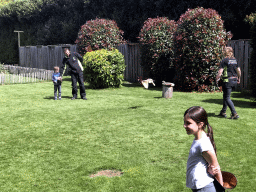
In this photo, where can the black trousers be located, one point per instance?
(57, 87)
(78, 77)
(227, 89)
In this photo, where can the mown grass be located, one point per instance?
(49, 145)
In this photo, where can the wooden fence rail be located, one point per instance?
(46, 57)
(43, 57)
(24, 78)
(24, 75)
(242, 52)
(132, 58)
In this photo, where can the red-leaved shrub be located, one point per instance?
(199, 41)
(252, 20)
(156, 42)
(99, 34)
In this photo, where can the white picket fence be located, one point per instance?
(33, 77)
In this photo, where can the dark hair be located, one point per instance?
(198, 114)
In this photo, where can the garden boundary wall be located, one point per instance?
(242, 51)
(19, 74)
(46, 57)
(132, 56)
(42, 57)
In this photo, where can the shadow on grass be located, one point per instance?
(211, 114)
(52, 97)
(244, 95)
(158, 97)
(237, 103)
(135, 107)
(128, 84)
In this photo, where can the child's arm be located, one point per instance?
(53, 79)
(211, 158)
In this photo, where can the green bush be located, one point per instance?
(156, 41)
(103, 68)
(99, 34)
(199, 41)
(3, 70)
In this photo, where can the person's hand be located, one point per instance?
(213, 170)
(60, 79)
(238, 80)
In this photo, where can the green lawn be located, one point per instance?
(49, 145)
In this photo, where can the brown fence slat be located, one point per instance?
(46, 57)
(246, 64)
(22, 56)
(242, 52)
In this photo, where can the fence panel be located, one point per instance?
(25, 77)
(46, 57)
(51, 52)
(40, 57)
(132, 58)
(22, 56)
(242, 52)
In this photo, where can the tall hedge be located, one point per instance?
(39, 24)
(44, 22)
(156, 41)
(252, 20)
(99, 34)
(199, 41)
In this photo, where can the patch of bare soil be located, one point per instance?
(107, 173)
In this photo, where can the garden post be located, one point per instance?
(167, 90)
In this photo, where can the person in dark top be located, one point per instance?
(73, 60)
(231, 76)
(56, 82)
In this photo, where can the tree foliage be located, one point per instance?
(199, 41)
(252, 20)
(99, 34)
(5, 2)
(156, 39)
(58, 21)
(44, 22)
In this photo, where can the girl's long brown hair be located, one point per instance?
(198, 114)
(229, 52)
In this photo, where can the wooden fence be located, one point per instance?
(24, 75)
(42, 57)
(242, 52)
(132, 58)
(46, 57)
(24, 78)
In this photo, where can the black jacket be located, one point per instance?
(72, 62)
